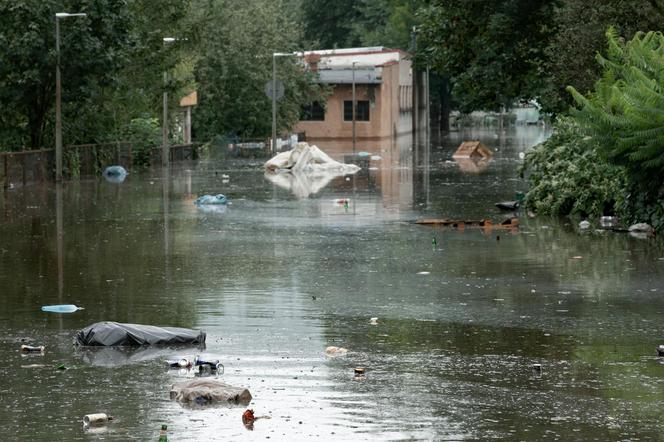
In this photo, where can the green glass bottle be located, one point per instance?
(163, 434)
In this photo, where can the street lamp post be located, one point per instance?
(274, 103)
(165, 154)
(354, 104)
(58, 95)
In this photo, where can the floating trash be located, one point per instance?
(96, 419)
(115, 174)
(61, 308)
(211, 199)
(334, 352)
(32, 349)
(179, 363)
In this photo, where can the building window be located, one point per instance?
(312, 112)
(361, 110)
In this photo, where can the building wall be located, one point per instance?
(387, 103)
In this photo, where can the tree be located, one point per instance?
(91, 49)
(330, 24)
(236, 63)
(625, 113)
(580, 27)
(492, 51)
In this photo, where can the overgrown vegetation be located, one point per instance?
(608, 156)
(568, 177)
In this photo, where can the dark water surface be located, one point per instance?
(274, 280)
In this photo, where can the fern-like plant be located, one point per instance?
(625, 113)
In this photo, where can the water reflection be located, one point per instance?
(302, 184)
(472, 165)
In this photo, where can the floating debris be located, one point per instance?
(62, 308)
(508, 205)
(334, 352)
(211, 200)
(509, 223)
(96, 419)
(32, 349)
(472, 149)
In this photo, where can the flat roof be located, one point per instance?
(345, 76)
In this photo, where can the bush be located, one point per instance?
(568, 177)
(625, 112)
(145, 135)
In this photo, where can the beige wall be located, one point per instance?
(334, 126)
(386, 120)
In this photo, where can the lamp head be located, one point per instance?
(68, 14)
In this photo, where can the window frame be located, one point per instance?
(358, 113)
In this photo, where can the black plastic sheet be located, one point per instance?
(109, 333)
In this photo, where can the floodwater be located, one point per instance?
(274, 279)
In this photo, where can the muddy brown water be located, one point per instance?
(274, 280)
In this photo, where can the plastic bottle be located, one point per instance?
(163, 434)
(62, 308)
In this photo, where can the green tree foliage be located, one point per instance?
(112, 64)
(91, 53)
(352, 23)
(625, 113)
(580, 26)
(568, 177)
(329, 24)
(235, 64)
(492, 51)
(386, 23)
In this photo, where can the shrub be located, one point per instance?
(145, 135)
(567, 176)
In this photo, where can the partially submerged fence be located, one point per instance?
(79, 161)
